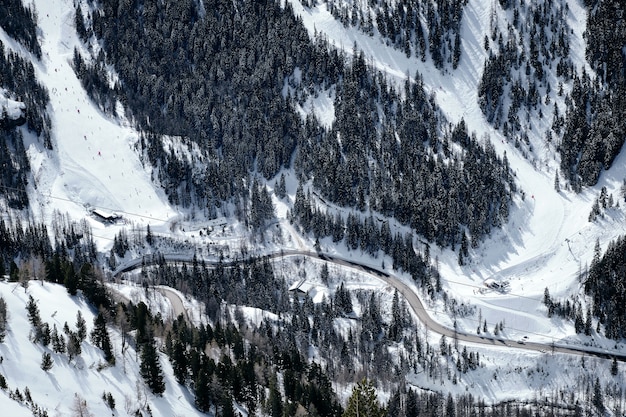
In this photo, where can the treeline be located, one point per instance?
(605, 284)
(400, 25)
(228, 85)
(517, 81)
(17, 76)
(27, 251)
(20, 23)
(594, 121)
(528, 66)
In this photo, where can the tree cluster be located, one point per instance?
(594, 124)
(230, 96)
(400, 24)
(516, 81)
(605, 284)
(17, 75)
(20, 23)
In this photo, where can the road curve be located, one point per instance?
(177, 303)
(411, 297)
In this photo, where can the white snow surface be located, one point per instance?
(548, 238)
(546, 242)
(94, 162)
(54, 390)
(14, 109)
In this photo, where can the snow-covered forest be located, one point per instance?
(312, 207)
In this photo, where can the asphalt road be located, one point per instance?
(410, 296)
(177, 304)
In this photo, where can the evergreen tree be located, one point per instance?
(80, 23)
(203, 391)
(226, 403)
(149, 236)
(557, 184)
(32, 311)
(363, 401)
(74, 347)
(281, 187)
(81, 326)
(179, 361)
(3, 318)
(150, 367)
(275, 403)
(598, 399)
(100, 338)
(71, 280)
(46, 361)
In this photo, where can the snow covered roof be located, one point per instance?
(104, 215)
(301, 286)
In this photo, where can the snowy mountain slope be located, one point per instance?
(531, 251)
(547, 241)
(54, 390)
(548, 238)
(93, 162)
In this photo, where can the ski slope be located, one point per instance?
(546, 242)
(94, 162)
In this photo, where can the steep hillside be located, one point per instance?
(72, 384)
(469, 150)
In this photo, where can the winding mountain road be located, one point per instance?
(410, 296)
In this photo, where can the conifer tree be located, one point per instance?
(81, 326)
(46, 361)
(100, 337)
(363, 402)
(150, 368)
(3, 318)
(179, 361)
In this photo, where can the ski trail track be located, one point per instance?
(94, 161)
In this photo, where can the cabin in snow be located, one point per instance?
(301, 288)
(495, 285)
(104, 216)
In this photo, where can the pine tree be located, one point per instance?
(149, 236)
(281, 188)
(275, 403)
(227, 406)
(150, 368)
(74, 347)
(100, 338)
(598, 400)
(80, 24)
(3, 318)
(81, 326)
(203, 391)
(32, 311)
(46, 361)
(363, 402)
(70, 281)
(557, 185)
(179, 361)
(109, 400)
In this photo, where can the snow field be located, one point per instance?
(54, 390)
